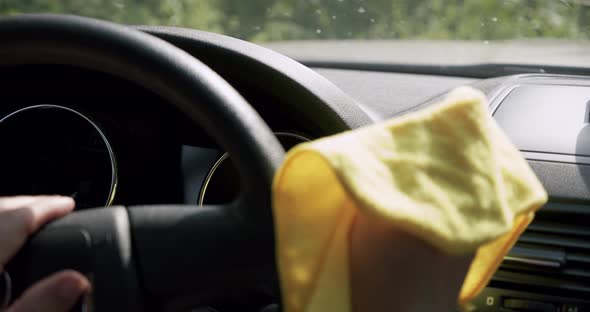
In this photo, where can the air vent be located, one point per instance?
(553, 255)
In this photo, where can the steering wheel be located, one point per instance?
(168, 256)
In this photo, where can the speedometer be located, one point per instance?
(50, 149)
(222, 182)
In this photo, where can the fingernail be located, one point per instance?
(62, 200)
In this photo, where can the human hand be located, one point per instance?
(392, 270)
(21, 216)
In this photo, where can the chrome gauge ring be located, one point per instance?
(223, 173)
(51, 149)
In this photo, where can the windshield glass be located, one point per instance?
(557, 24)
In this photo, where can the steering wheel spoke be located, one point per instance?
(95, 242)
(201, 253)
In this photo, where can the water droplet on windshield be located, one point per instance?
(494, 19)
(486, 42)
(318, 31)
(119, 5)
(482, 24)
(318, 11)
(361, 10)
(372, 20)
(333, 17)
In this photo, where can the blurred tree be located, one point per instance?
(262, 20)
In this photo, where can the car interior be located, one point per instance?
(179, 132)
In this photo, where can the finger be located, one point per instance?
(56, 293)
(14, 202)
(17, 224)
(392, 270)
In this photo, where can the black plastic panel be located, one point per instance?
(390, 94)
(569, 182)
(547, 118)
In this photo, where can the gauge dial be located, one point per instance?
(50, 149)
(222, 182)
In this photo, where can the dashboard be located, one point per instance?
(547, 118)
(107, 141)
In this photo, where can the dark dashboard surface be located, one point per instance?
(162, 158)
(386, 95)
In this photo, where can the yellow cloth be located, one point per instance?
(446, 174)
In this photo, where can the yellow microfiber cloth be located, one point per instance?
(447, 175)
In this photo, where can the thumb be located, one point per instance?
(56, 293)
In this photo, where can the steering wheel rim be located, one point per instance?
(183, 81)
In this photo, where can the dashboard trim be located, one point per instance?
(502, 92)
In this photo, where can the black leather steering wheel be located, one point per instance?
(154, 257)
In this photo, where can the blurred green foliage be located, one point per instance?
(264, 20)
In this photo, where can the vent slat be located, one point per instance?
(549, 253)
(553, 254)
(576, 272)
(544, 253)
(538, 280)
(561, 208)
(558, 228)
(554, 240)
(570, 272)
(578, 257)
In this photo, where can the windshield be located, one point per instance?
(554, 23)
